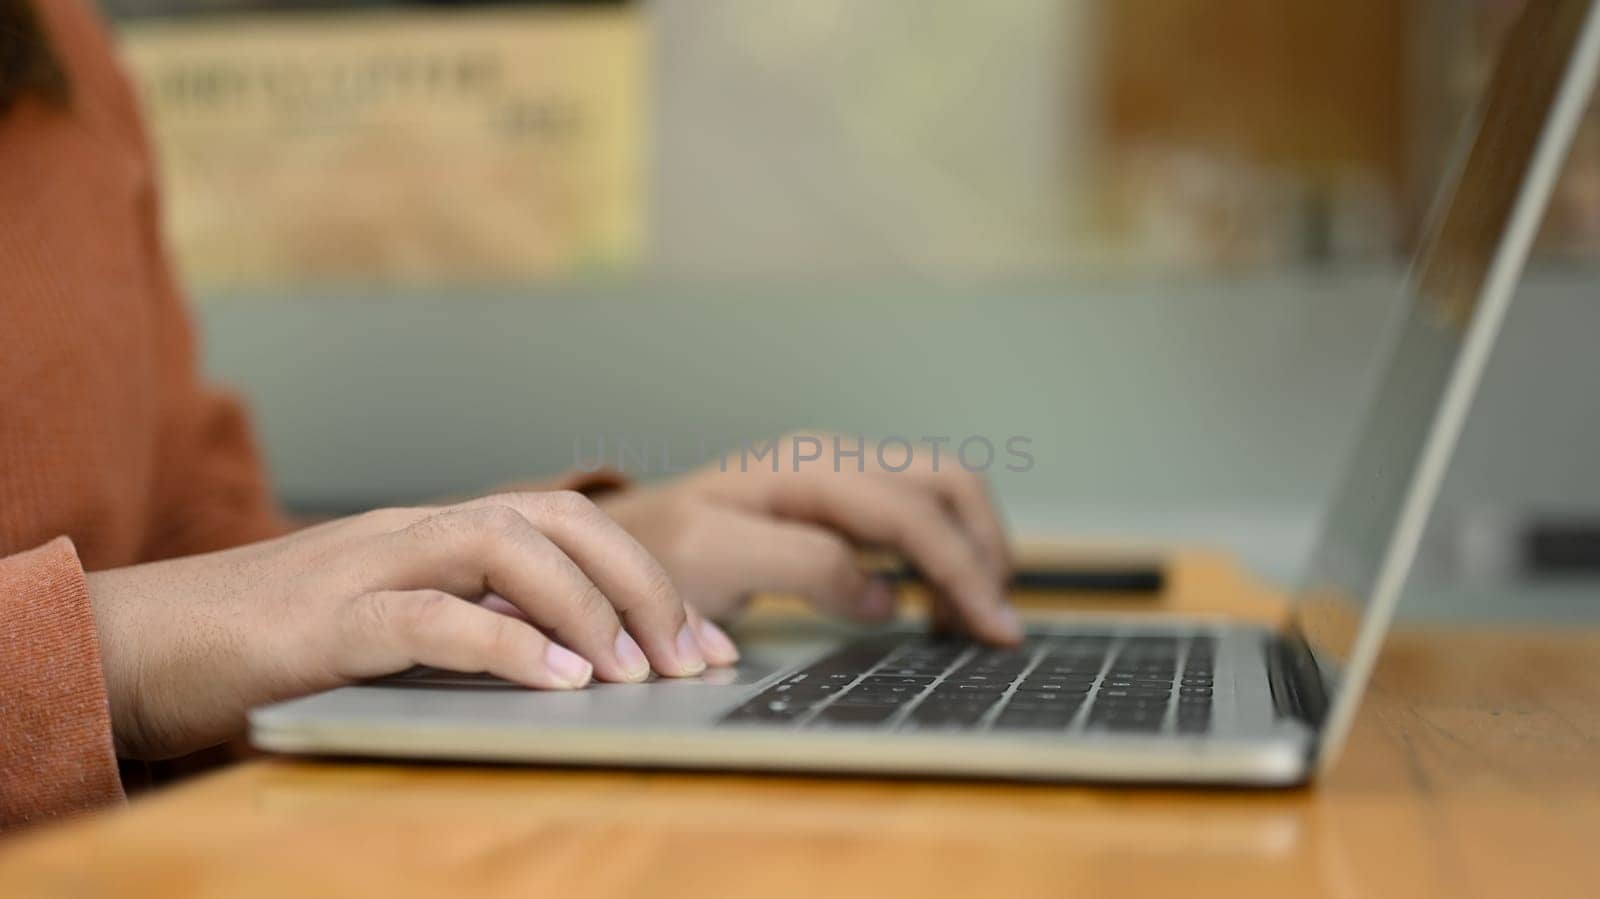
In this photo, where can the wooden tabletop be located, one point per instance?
(1474, 770)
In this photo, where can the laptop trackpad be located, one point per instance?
(446, 699)
(746, 672)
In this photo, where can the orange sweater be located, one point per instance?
(111, 450)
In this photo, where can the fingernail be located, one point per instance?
(569, 667)
(635, 666)
(1007, 618)
(690, 661)
(717, 644)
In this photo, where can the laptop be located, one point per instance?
(1128, 699)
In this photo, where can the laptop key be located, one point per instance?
(956, 688)
(929, 671)
(901, 681)
(856, 714)
(1049, 687)
(871, 686)
(1049, 699)
(812, 677)
(812, 688)
(1134, 693)
(1065, 696)
(762, 713)
(858, 698)
(997, 680)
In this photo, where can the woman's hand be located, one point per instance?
(189, 645)
(746, 525)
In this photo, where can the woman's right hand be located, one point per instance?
(190, 645)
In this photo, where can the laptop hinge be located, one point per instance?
(1297, 689)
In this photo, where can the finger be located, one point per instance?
(718, 647)
(967, 496)
(626, 573)
(796, 557)
(941, 619)
(472, 551)
(494, 602)
(635, 583)
(910, 521)
(394, 629)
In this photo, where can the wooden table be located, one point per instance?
(1474, 771)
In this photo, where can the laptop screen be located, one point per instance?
(1369, 535)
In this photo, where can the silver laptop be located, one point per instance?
(1097, 698)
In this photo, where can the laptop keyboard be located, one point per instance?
(1142, 684)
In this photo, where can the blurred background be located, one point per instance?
(435, 244)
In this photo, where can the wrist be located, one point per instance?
(118, 662)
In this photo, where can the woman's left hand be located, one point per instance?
(732, 529)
